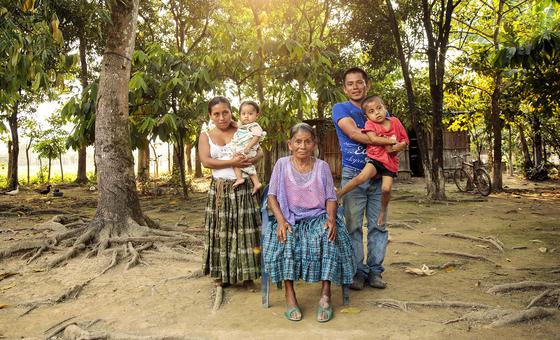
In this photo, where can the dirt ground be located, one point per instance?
(150, 301)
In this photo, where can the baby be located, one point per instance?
(246, 141)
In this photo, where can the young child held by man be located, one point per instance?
(387, 136)
(246, 141)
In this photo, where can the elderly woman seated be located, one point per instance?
(305, 240)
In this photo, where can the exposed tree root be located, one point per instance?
(466, 255)
(409, 242)
(524, 285)
(535, 313)
(135, 257)
(544, 297)
(218, 299)
(194, 275)
(58, 327)
(403, 305)
(401, 225)
(489, 240)
(482, 316)
(22, 245)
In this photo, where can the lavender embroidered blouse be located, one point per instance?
(301, 195)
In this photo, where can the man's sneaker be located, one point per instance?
(358, 283)
(375, 281)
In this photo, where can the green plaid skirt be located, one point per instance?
(232, 221)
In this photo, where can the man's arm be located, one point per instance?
(350, 129)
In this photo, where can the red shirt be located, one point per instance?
(378, 152)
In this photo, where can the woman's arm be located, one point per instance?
(331, 220)
(283, 225)
(238, 161)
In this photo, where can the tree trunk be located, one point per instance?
(156, 161)
(188, 151)
(176, 169)
(537, 140)
(118, 199)
(61, 169)
(527, 162)
(169, 160)
(197, 163)
(49, 173)
(143, 173)
(13, 165)
(81, 176)
(181, 162)
(82, 169)
(411, 97)
(40, 176)
(260, 82)
(437, 48)
(27, 158)
(497, 122)
(9, 175)
(510, 151)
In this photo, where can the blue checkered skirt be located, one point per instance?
(307, 254)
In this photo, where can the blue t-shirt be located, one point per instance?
(353, 153)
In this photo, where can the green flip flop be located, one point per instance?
(289, 311)
(328, 312)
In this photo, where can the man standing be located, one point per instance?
(349, 119)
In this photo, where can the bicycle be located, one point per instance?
(476, 175)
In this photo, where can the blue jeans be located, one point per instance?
(365, 199)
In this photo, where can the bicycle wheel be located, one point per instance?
(483, 183)
(461, 178)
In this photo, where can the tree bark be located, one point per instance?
(82, 169)
(497, 122)
(527, 162)
(81, 176)
(260, 83)
(410, 96)
(537, 140)
(49, 173)
(188, 151)
(13, 165)
(144, 161)
(118, 199)
(27, 158)
(156, 161)
(197, 163)
(61, 169)
(437, 49)
(9, 159)
(510, 151)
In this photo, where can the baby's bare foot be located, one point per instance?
(238, 182)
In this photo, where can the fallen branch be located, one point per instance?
(524, 285)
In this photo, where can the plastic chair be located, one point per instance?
(265, 278)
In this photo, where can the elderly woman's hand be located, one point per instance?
(331, 226)
(281, 231)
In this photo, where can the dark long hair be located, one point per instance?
(218, 100)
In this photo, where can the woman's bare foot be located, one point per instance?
(238, 182)
(324, 312)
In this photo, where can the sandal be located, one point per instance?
(289, 311)
(326, 311)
